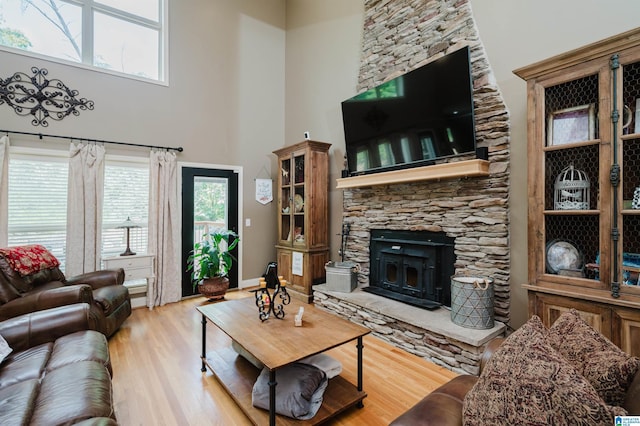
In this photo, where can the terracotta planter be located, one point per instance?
(214, 288)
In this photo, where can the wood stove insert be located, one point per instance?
(413, 267)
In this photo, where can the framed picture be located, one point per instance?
(570, 125)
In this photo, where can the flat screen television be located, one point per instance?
(412, 120)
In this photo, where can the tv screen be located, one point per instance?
(412, 120)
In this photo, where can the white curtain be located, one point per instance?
(164, 229)
(84, 208)
(4, 191)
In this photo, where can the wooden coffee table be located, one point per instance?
(277, 343)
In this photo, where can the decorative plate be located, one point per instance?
(562, 254)
(298, 203)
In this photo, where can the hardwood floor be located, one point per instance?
(157, 378)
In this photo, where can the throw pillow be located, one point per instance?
(608, 368)
(331, 366)
(299, 390)
(29, 259)
(527, 382)
(5, 350)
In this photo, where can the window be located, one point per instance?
(126, 195)
(38, 181)
(121, 36)
(38, 216)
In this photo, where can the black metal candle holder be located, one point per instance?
(267, 302)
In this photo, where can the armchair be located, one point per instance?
(30, 280)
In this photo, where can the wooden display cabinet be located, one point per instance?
(303, 216)
(584, 152)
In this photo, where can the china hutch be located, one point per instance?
(303, 216)
(584, 186)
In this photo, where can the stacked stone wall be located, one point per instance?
(442, 350)
(401, 35)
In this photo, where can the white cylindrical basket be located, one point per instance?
(472, 302)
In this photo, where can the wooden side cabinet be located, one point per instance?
(620, 324)
(626, 330)
(583, 147)
(138, 270)
(549, 308)
(303, 216)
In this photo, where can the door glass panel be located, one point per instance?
(210, 204)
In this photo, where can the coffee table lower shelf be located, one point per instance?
(237, 376)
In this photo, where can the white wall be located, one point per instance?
(519, 33)
(324, 40)
(224, 103)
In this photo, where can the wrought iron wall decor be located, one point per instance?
(41, 97)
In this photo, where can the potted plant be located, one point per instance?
(210, 262)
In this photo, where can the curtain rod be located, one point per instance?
(41, 135)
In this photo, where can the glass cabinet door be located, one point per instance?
(292, 200)
(286, 198)
(571, 164)
(630, 166)
(299, 200)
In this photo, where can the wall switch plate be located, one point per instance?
(247, 222)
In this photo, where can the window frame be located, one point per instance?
(62, 156)
(52, 155)
(88, 8)
(122, 160)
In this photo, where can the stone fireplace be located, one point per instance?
(471, 212)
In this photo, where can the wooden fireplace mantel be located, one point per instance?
(458, 169)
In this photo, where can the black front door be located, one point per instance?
(209, 201)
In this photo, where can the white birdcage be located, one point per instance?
(571, 190)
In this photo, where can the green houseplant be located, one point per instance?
(210, 262)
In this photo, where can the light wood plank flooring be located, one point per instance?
(157, 378)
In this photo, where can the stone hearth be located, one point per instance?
(428, 334)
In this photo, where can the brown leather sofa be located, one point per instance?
(443, 406)
(59, 371)
(103, 290)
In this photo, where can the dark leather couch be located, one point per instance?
(59, 371)
(443, 406)
(103, 290)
